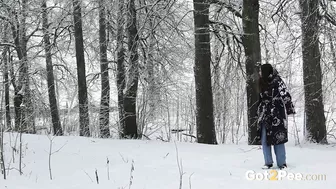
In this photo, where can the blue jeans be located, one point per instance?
(280, 151)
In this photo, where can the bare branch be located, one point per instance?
(326, 14)
(6, 19)
(228, 6)
(329, 18)
(7, 44)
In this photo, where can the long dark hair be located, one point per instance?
(263, 85)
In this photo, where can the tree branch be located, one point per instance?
(6, 19)
(227, 6)
(326, 14)
(329, 18)
(7, 44)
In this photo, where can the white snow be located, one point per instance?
(155, 164)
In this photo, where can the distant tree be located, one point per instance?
(56, 123)
(5, 60)
(121, 82)
(104, 117)
(131, 90)
(17, 14)
(84, 120)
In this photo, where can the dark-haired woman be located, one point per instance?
(275, 105)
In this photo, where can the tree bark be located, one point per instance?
(312, 74)
(23, 106)
(28, 116)
(104, 117)
(202, 71)
(2, 159)
(56, 123)
(120, 67)
(84, 120)
(6, 80)
(152, 91)
(251, 43)
(130, 96)
(332, 49)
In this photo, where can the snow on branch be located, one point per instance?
(330, 19)
(5, 18)
(7, 44)
(326, 14)
(228, 6)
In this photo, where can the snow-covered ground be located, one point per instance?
(75, 160)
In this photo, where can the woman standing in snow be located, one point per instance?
(275, 104)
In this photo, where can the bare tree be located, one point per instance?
(120, 66)
(5, 59)
(105, 84)
(312, 74)
(2, 159)
(56, 123)
(251, 42)
(130, 96)
(204, 100)
(84, 120)
(24, 115)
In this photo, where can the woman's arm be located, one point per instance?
(286, 97)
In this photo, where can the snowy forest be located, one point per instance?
(154, 69)
(163, 70)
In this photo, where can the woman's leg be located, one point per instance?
(267, 150)
(280, 152)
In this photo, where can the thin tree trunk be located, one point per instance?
(151, 90)
(312, 73)
(218, 105)
(2, 158)
(131, 127)
(332, 49)
(2, 128)
(57, 128)
(121, 83)
(6, 80)
(202, 71)
(105, 84)
(251, 42)
(84, 121)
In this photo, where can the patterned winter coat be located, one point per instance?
(274, 106)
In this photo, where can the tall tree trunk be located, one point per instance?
(121, 84)
(57, 128)
(312, 74)
(152, 91)
(28, 123)
(105, 84)
(17, 97)
(24, 108)
(130, 96)
(251, 42)
(84, 121)
(204, 100)
(6, 79)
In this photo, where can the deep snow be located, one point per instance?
(155, 164)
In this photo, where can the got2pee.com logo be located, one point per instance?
(276, 175)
